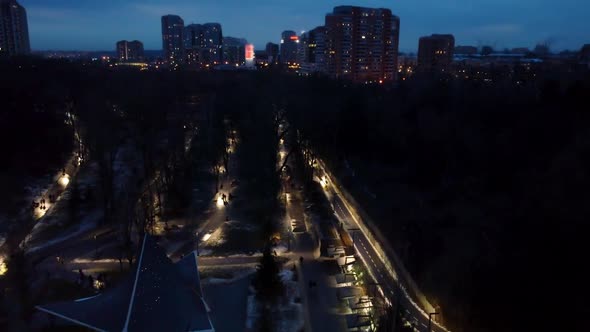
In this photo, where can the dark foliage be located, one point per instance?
(268, 281)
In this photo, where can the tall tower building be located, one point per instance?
(130, 51)
(312, 50)
(194, 42)
(173, 39)
(289, 41)
(234, 50)
(14, 29)
(272, 51)
(435, 52)
(203, 44)
(363, 44)
(213, 43)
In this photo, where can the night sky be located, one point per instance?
(98, 24)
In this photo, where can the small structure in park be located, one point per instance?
(158, 296)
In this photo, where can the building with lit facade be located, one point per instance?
(289, 41)
(249, 55)
(203, 44)
(130, 51)
(194, 41)
(234, 51)
(213, 44)
(311, 54)
(272, 52)
(14, 29)
(435, 52)
(362, 44)
(173, 39)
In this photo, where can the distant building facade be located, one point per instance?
(585, 53)
(272, 52)
(435, 52)
(289, 41)
(213, 44)
(14, 29)
(130, 51)
(250, 56)
(234, 51)
(362, 44)
(203, 44)
(194, 42)
(173, 39)
(312, 51)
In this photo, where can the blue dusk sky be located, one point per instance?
(98, 24)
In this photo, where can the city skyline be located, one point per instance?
(76, 25)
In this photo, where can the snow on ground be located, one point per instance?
(205, 252)
(281, 249)
(214, 239)
(231, 274)
(126, 155)
(287, 315)
(89, 222)
(173, 247)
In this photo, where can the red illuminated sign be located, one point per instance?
(294, 38)
(249, 52)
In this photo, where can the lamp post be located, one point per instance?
(430, 319)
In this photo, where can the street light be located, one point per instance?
(430, 319)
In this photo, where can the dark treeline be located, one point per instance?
(481, 187)
(253, 111)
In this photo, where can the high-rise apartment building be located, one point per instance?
(130, 51)
(362, 44)
(585, 53)
(203, 44)
(173, 39)
(272, 52)
(213, 45)
(289, 41)
(194, 42)
(311, 53)
(435, 52)
(234, 51)
(14, 29)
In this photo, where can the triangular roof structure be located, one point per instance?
(158, 296)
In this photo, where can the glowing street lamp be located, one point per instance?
(220, 202)
(64, 180)
(3, 268)
(206, 237)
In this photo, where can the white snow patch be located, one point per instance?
(280, 249)
(89, 222)
(205, 252)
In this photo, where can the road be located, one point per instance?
(321, 301)
(389, 286)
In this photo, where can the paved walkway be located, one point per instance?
(320, 301)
